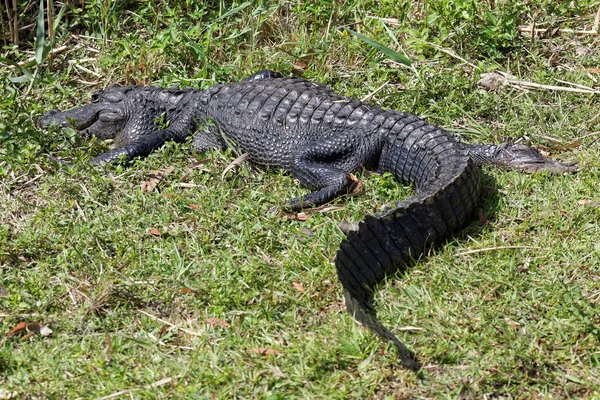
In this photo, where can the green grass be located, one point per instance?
(133, 311)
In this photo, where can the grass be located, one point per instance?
(203, 288)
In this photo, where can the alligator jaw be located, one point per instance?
(78, 118)
(552, 166)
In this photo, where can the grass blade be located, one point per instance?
(26, 77)
(394, 55)
(234, 10)
(39, 37)
(57, 20)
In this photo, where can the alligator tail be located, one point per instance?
(387, 242)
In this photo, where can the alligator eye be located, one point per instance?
(110, 117)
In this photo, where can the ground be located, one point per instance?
(201, 284)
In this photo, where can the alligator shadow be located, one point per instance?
(479, 222)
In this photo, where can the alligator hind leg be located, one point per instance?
(324, 166)
(517, 156)
(328, 182)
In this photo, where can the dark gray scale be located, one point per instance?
(307, 115)
(342, 117)
(267, 110)
(283, 108)
(227, 101)
(318, 118)
(263, 75)
(425, 136)
(256, 108)
(239, 103)
(293, 115)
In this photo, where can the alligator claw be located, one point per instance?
(348, 227)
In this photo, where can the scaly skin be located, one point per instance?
(321, 138)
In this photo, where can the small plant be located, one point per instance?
(42, 47)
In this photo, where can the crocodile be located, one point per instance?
(321, 138)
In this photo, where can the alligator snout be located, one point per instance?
(46, 119)
(78, 118)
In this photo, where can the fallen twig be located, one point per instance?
(126, 391)
(464, 253)
(533, 85)
(530, 30)
(450, 53)
(493, 80)
(370, 95)
(171, 325)
(54, 51)
(574, 84)
(410, 328)
(596, 21)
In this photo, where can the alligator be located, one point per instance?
(321, 138)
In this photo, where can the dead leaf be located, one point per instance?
(216, 322)
(193, 206)
(185, 290)
(155, 178)
(306, 232)
(594, 71)
(296, 216)
(298, 286)
(154, 231)
(492, 81)
(20, 328)
(482, 219)
(189, 185)
(300, 65)
(512, 324)
(589, 203)
(329, 208)
(348, 227)
(44, 330)
(277, 372)
(235, 163)
(5, 394)
(265, 351)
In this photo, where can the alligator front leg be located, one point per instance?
(139, 148)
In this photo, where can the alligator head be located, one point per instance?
(526, 159)
(104, 117)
